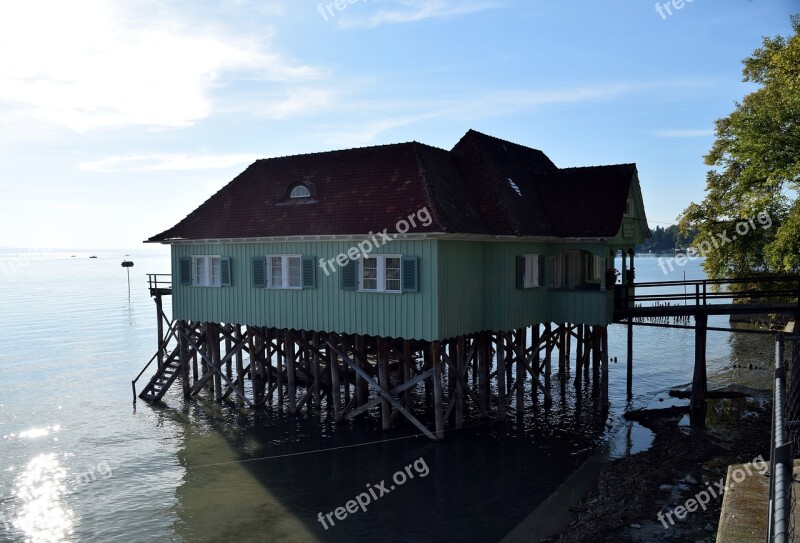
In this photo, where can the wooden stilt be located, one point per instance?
(437, 389)
(578, 355)
(237, 334)
(535, 362)
(630, 359)
(501, 375)
(228, 345)
(604, 359)
(459, 386)
(315, 370)
(289, 345)
(562, 352)
(481, 346)
(407, 361)
(281, 352)
(383, 379)
(520, 358)
(360, 358)
(333, 363)
(184, 358)
(699, 382)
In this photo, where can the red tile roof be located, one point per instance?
(364, 190)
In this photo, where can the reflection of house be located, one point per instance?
(487, 236)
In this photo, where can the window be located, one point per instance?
(300, 191)
(530, 271)
(284, 271)
(629, 208)
(210, 271)
(381, 273)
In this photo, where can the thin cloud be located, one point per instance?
(104, 65)
(700, 133)
(165, 162)
(412, 11)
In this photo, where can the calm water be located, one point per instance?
(79, 461)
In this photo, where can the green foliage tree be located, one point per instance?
(756, 178)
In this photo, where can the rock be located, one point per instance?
(665, 488)
(691, 480)
(637, 526)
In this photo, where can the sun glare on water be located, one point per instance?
(42, 516)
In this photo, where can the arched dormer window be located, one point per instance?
(300, 191)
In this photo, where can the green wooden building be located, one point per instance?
(408, 241)
(321, 268)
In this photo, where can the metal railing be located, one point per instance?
(708, 291)
(159, 281)
(786, 404)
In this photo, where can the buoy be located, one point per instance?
(128, 264)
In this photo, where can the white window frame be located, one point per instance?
(284, 272)
(531, 279)
(381, 274)
(207, 264)
(629, 206)
(299, 192)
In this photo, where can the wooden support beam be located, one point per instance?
(279, 342)
(360, 355)
(408, 385)
(697, 407)
(315, 371)
(460, 385)
(406, 363)
(630, 359)
(383, 377)
(482, 347)
(215, 370)
(333, 364)
(520, 358)
(435, 349)
(184, 358)
(578, 355)
(289, 345)
(237, 334)
(501, 375)
(383, 392)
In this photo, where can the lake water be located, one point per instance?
(80, 461)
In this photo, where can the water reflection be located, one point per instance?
(42, 516)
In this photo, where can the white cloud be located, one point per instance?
(165, 162)
(103, 65)
(700, 133)
(410, 11)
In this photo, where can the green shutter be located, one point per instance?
(521, 271)
(260, 272)
(309, 270)
(185, 270)
(225, 272)
(350, 275)
(541, 270)
(409, 273)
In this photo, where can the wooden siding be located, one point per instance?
(327, 307)
(464, 287)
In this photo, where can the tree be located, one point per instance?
(749, 221)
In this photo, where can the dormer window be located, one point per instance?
(300, 191)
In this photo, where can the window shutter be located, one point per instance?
(521, 271)
(185, 270)
(350, 275)
(409, 273)
(541, 270)
(225, 272)
(260, 272)
(309, 271)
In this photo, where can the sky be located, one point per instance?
(119, 117)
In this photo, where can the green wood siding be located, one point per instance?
(463, 287)
(326, 307)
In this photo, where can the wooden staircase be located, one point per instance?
(163, 379)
